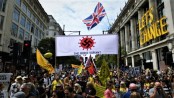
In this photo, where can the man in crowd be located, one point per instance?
(157, 91)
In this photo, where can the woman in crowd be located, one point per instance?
(108, 92)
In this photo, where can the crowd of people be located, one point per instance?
(66, 84)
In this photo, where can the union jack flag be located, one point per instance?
(96, 17)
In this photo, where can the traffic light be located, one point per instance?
(26, 49)
(14, 52)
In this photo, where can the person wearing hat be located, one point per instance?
(15, 87)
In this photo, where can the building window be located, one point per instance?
(160, 4)
(35, 42)
(23, 20)
(26, 36)
(32, 17)
(24, 8)
(18, 2)
(16, 15)
(2, 5)
(0, 37)
(32, 28)
(40, 34)
(1, 22)
(14, 30)
(21, 34)
(36, 32)
(28, 13)
(28, 25)
(37, 22)
(11, 42)
(54, 33)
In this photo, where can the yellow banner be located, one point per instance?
(74, 66)
(43, 62)
(100, 91)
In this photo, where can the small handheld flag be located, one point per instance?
(96, 17)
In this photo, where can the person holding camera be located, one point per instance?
(157, 91)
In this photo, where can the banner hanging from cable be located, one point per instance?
(86, 44)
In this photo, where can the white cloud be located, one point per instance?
(71, 13)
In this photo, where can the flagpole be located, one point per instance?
(108, 20)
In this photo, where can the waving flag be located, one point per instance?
(43, 62)
(90, 66)
(96, 17)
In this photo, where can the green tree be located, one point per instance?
(111, 59)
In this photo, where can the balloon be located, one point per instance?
(48, 55)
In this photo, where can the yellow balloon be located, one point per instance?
(48, 55)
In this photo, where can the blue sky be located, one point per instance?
(71, 13)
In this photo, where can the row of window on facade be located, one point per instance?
(27, 10)
(160, 10)
(26, 22)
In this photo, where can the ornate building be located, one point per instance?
(54, 28)
(146, 31)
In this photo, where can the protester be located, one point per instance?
(108, 92)
(56, 82)
(2, 92)
(135, 95)
(24, 92)
(132, 88)
(54, 95)
(157, 91)
(59, 91)
(77, 88)
(70, 94)
(90, 90)
(47, 83)
(42, 91)
(117, 92)
(15, 87)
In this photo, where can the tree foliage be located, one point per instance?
(110, 59)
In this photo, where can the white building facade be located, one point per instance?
(146, 29)
(54, 28)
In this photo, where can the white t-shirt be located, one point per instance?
(3, 94)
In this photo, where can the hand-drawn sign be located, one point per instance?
(5, 77)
